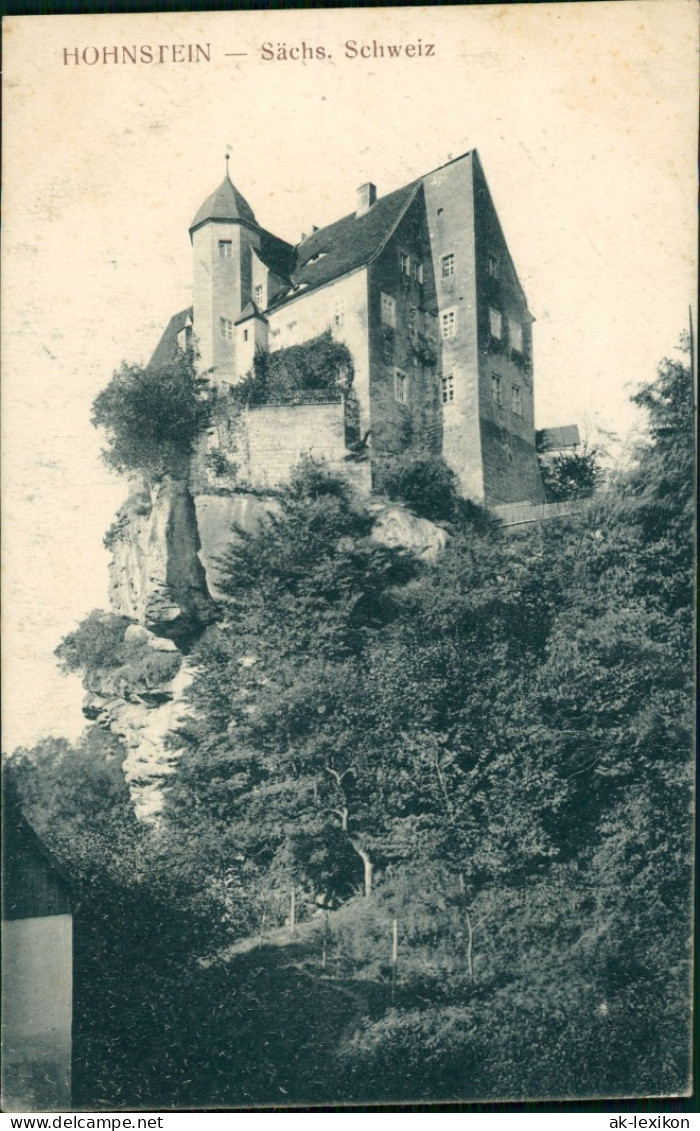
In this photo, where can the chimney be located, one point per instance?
(366, 197)
(305, 235)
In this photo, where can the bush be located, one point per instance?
(570, 475)
(98, 646)
(97, 643)
(426, 484)
(151, 416)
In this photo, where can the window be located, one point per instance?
(418, 271)
(412, 316)
(448, 266)
(496, 389)
(225, 249)
(516, 400)
(226, 328)
(259, 295)
(447, 389)
(401, 387)
(388, 310)
(245, 335)
(495, 323)
(448, 323)
(405, 261)
(493, 266)
(515, 332)
(338, 313)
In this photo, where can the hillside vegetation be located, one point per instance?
(429, 835)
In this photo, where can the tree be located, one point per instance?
(272, 742)
(151, 416)
(97, 643)
(570, 475)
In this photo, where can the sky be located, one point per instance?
(584, 116)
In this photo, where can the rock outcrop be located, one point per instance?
(141, 701)
(394, 525)
(156, 577)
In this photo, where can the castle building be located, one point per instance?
(419, 285)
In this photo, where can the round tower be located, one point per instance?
(222, 234)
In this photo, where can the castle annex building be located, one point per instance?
(420, 287)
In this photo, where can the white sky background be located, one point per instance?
(584, 116)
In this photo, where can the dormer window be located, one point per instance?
(225, 249)
(315, 257)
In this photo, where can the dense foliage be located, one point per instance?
(569, 475)
(151, 416)
(484, 762)
(102, 646)
(424, 482)
(320, 367)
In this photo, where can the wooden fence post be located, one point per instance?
(324, 954)
(394, 955)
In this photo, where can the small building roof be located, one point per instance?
(225, 203)
(167, 346)
(250, 310)
(554, 439)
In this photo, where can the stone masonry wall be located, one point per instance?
(409, 347)
(511, 470)
(449, 202)
(279, 435)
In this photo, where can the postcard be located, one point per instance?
(348, 373)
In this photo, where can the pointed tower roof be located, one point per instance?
(226, 203)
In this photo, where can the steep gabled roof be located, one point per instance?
(225, 203)
(276, 254)
(167, 346)
(477, 168)
(349, 243)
